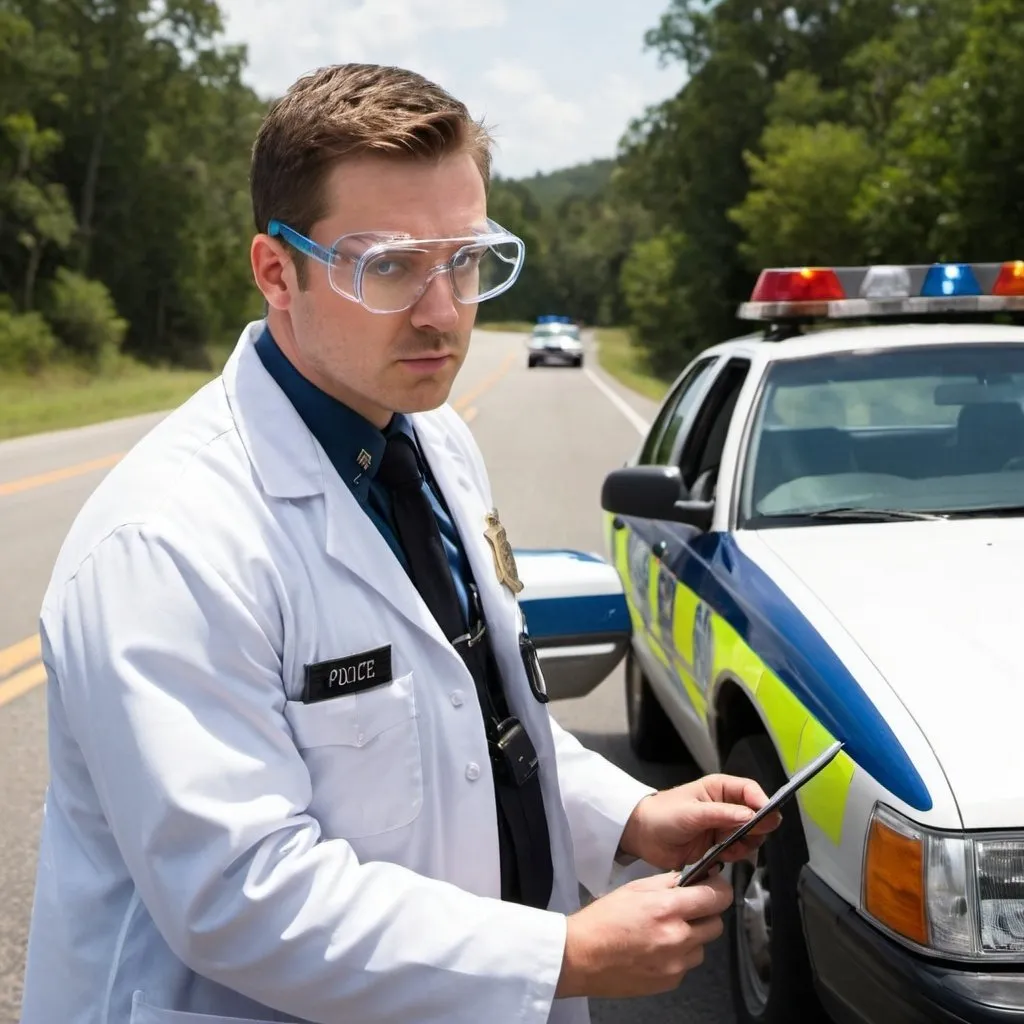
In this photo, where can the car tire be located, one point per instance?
(652, 736)
(770, 974)
(531, 362)
(579, 362)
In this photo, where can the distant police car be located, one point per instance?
(554, 339)
(822, 536)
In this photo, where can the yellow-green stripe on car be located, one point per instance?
(798, 736)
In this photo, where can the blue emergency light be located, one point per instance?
(950, 279)
(880, 290)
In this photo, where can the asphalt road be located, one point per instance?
(549, 435)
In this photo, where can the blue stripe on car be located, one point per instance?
(714, 566)
(590, 615)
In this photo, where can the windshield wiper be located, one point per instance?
(986, 510)
(870, 515)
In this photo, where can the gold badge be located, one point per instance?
(504, 560)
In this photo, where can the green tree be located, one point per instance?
(691, 159)
(799, 210)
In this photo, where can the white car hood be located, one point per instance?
(938, 607)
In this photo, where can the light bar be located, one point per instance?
(835, 293)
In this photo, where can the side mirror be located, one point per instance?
(654, 492)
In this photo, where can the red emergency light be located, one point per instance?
(1011, 279)
(806, 284)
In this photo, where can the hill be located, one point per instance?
(579, 181)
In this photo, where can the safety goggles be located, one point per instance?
(388, 273)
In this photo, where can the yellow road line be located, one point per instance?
(22, 659)
(29, 483)
(19, 655)
(463, 401)
(55, 476)
(21, 682)
(27, 651)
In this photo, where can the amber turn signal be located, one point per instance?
(894, 883)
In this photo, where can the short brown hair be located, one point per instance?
(347, 110)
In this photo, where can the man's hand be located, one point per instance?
(678, 826)
(642, 938)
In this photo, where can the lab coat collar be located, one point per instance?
(290, 463)
(283, 452)
(467, 504)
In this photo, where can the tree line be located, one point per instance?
(124, 211)
(808, 131)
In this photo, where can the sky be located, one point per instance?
(552, 96)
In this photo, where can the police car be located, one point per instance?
(554, 339)
(822, 537)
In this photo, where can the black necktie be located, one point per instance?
(419, 534)
(524, 845)
(429, 568)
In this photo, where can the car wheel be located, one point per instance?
(652, 735)
(531, 362)
(769, 969)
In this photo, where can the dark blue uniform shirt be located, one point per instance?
(344, 436)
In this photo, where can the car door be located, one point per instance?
(682, 602)
(635, 542)
(669, 563)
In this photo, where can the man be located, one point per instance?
(301, 767)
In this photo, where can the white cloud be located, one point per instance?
(288, 40)
(528, 116)
(556, 80)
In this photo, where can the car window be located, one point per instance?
(702, 452)
(925, 429)
(556, 330)
(661, 440)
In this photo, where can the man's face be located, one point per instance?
(380, 363)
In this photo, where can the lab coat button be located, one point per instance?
(472, 771)
(457, 698)
(360, 740)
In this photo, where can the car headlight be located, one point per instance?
(952, 893)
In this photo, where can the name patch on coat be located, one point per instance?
(344, 676)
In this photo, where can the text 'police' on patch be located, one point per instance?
(344, 676)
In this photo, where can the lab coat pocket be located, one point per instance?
(143, 1013)
(363, 754)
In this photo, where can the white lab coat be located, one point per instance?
(214, 850)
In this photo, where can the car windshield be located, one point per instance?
(931, 429)
(547, 330)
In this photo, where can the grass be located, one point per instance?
(62, 397)
(618, 356)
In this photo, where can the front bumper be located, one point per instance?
(863, 977)
(555, 355)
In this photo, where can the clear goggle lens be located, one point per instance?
(392, 277)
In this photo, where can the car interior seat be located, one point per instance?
(988, 436)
